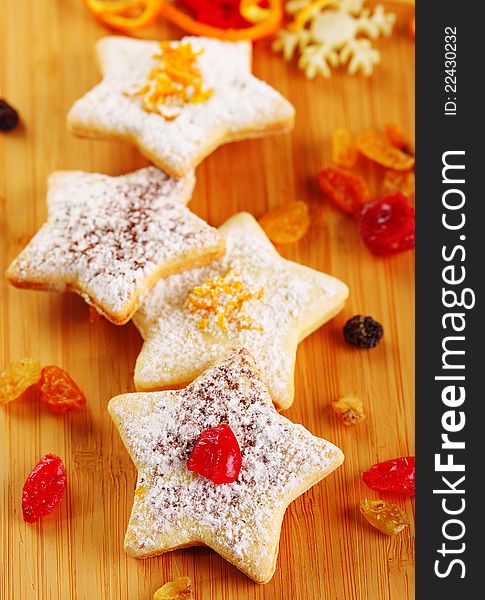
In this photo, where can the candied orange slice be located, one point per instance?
(376, 146)
(286, 224)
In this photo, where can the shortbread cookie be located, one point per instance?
(179, 107)
(251, 298)
(109, 239)
(175, 507)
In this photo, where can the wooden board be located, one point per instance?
(327, 551)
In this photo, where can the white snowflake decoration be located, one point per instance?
(332, 33)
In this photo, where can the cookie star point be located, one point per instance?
(240, 106)
(175, 507)
(109, 239)
(251, 297)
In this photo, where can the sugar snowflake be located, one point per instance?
(332, 33)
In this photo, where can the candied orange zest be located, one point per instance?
(129, 15)
(174, 82)
(140, 491)
(261, 29)
(222, 301)
(125, 15)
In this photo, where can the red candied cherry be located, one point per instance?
(388, 225)
(44, 488)
(396, 476)
(216, 455)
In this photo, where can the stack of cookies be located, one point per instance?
(221, 312)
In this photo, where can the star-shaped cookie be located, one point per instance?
(251, 298)
(176, 508)
(109, 239)
(240, 106)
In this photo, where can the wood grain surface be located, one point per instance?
(327, 551)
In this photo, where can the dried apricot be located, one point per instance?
(346, 190)
(386, 517)
(180, 589)
(344, 150)
(376, 146)
(286, 224)
(17, 377)
(59, 391)
(349, 409)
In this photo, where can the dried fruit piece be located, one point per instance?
(286, 224)
(17, 377)
(375, 146)
(388, 225)
(363, 332)
(344, 150)
(347, 190)
(396, 136)
(398, 181)
(44, 488)
(393, 476)
(180, 589)
(386, 517)
(9, 117)
(224, 14)
(216, 455)
(59, 391)
(349, 409)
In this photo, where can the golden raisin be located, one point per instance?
(17, 377)
(286, 224)
(344, 150)
(386, 517)
(396, 136)
(376, 146)
(180, 589)
(398, 181)
(349, 409)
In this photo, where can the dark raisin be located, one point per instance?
(9, 117)
(363, 332)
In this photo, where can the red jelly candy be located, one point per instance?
(59, 391)
(388, 225)
(394, 476)
(216, 455)
(44, 488)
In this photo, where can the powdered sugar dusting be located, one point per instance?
(109, 235)
(296, 299)
(279, 461)
(240, 105)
